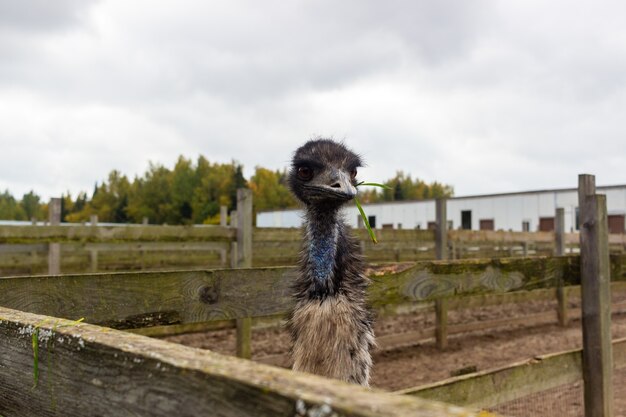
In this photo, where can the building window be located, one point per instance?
(486, 224)
(372, 221)
(466, 220)
(525, 226)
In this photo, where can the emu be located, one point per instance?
(330, 325)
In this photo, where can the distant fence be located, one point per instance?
(25, 250)
(55, 248)
(29, 250)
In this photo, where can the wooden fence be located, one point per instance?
(139, 299)
(91, 248)
(30, 250)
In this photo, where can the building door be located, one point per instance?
(466, 220)
(487, 224)
(546, 224)
(616, 223)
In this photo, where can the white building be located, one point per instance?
(521, 211)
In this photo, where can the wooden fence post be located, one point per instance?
(243, 253)
(559, 250)
(54, 258)
(233, 219)
(234, 258)
(93, 256)
(223, 223)
(54, 249)
(244, 227)
(223, 216)
(244, 337)
(54, 212)
(441, 231)
(596, 300)
(441, 252)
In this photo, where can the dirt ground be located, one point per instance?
(421, 362)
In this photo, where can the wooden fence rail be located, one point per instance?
(26, 249)
(493, 387)
(147, 299)
(56, 367)
(138, 299)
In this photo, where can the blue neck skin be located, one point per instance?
(322, 233)
(322, 251)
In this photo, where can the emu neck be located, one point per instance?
(323, 229)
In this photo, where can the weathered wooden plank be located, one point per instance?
(90, 370)
(490, 388)
(441, 323)
(140, 299)
(493, 387)
(467, 236)
(559, 250)
(432, 280)
(127, 300)
(596, 300)
(37, 234)
(244, 337)
(150, 246)
(23, 248)
(244, 227)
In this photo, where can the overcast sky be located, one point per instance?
(487, 96)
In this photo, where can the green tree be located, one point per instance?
(31, 204)
(10, 209)
(151, 196)
(269, 190)
(184, 182)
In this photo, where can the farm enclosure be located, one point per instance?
(131, 300)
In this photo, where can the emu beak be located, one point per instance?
(341, 185)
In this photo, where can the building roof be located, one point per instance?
(550, 190)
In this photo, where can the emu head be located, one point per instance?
(323, 173)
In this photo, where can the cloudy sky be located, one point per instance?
(488, 96)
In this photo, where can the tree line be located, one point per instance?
(192, 193)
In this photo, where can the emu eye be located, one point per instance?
(305, 173)
(353, 173)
